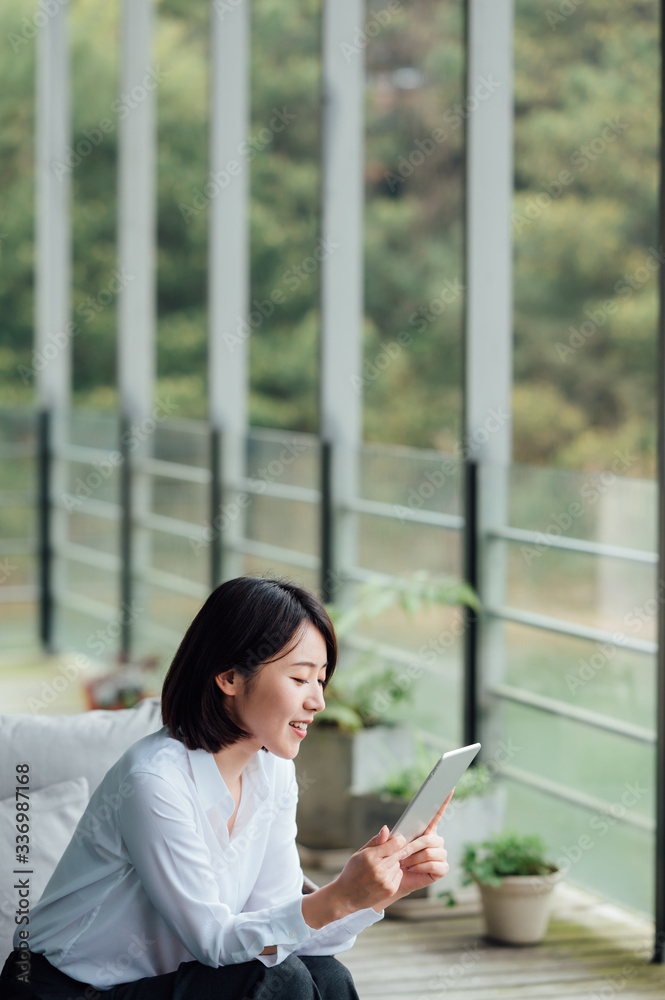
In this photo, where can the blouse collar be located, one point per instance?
(211, 786)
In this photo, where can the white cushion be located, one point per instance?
(59, 747)
(54, 813)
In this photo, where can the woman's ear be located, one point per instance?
(227, 682)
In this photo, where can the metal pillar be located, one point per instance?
(471, 616)
(342, 270)
(328, 573)
(228, 260)
(44, 529)
(488, 334)
(126, 561)
(659, 874)
(216, 447)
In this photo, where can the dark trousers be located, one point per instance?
(319, 977)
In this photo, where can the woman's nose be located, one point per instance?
(315, 699)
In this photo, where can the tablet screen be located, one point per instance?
(433, 792)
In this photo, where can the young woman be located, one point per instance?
(192, 888)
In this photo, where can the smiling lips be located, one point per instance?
(300, 728)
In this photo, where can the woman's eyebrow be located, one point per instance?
(308, 663)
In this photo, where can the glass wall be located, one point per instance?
(414, 217)
(19, 567)
(567, 584)
(410, 520)
(85, 498)
(585, 228)
(576, 692)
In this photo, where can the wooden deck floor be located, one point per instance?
(593, 951)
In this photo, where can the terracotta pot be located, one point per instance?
(518, 910)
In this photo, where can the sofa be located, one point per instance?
(51, 765)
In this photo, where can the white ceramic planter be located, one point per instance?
(518, 910)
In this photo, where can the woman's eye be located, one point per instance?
(300, 680)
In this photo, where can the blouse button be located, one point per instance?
(292, 934)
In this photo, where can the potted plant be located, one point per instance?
(125, 686)
(357, 740)
(348, 750)
(516, 882)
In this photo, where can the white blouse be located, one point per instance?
(151, 877)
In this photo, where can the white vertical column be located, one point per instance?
(489, 313)
(228, 254)
(53, 330)
(137, 143)
(137, 234)
(342, 306)
(489, 263)
(53, 271)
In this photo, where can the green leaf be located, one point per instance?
(506, 853)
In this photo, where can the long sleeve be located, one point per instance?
(175, 868)
(281, 877)
(152, 878)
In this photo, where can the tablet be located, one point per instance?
(433, 792)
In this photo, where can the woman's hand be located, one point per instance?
(373, 873)
(425, 861)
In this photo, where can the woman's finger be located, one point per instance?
(439, 816)
(427, 840)
(432, 853)
(429, 867)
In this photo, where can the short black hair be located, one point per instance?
(243, 623)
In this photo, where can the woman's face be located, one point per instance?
(285, 691)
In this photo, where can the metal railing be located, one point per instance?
(142, 531)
